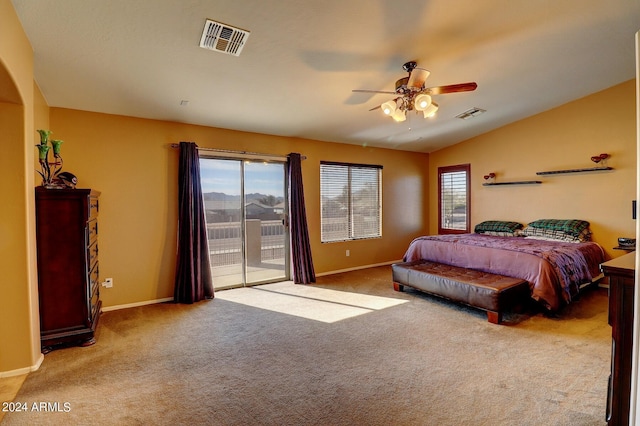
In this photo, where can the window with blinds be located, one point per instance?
(454, 199)
(351, 201)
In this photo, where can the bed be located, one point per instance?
(555, 269)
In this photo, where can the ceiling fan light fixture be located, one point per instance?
(417, 78)
(422, 102)
(412, 95)
(431, 110)
(388, 108)
(399, 115)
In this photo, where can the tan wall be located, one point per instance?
(19, 330)
(563, 138)
(130, 162)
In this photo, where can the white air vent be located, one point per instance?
(223, 38)
(470, 113)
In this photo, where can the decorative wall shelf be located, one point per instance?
(522, 182)
(585, 170)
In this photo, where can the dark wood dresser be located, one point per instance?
(68, 276)
(621, 273)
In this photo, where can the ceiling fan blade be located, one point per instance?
(374, 91)
(417, 78)
(375, 108)
(452, 88)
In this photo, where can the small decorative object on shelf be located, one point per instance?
(51, 171)
(628, 244)
(490, 177)
(68, 179)
(600, 160)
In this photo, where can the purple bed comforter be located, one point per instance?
(554, 269)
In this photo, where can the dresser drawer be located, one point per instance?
(94, 278)
(94, 207)
(92, 254)
(92, 231)
(95, 298)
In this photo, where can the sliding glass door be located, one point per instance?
(246, 211)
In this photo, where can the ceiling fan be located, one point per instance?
(413, 96)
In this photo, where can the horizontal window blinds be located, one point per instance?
(453, 200)
(350, 201)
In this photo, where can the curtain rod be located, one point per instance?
(228, 151)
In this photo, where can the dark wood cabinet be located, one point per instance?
(68, 274)
(621, 274)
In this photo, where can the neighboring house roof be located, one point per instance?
(233, 205)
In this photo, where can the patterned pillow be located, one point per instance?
(502, 234)
(570, 227)
(556, 235)
(498, 227)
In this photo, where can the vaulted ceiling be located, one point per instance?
(295, 74)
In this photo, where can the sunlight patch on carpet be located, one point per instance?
(307, 301)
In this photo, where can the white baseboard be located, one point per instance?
(25, 370)
(356, 268)
(136, 304)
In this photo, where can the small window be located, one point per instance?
(454, 199)
(351, 201)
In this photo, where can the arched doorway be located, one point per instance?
(19, 331)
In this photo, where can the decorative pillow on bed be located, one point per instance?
(498, 227)
(544, 234)
(559, 229)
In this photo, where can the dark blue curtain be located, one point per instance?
(193, 273)
(301, 260)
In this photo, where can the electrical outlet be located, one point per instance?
(347, 253)
(107, 283)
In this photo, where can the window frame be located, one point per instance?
(350, 214)
(466, 168)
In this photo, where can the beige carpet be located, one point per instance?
(421, 362)
(309, 301)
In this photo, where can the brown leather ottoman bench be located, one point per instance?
(491, 292)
